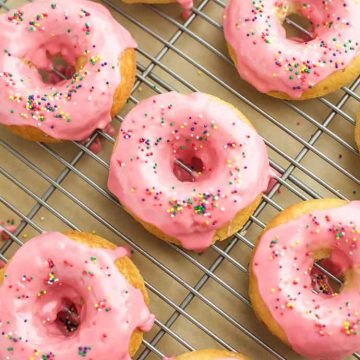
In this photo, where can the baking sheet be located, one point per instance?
(203, 297)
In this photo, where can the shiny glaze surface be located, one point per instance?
(194, 128)
(318, 326)
(253, 28)
(187, 6)
(47, 273)
(30, 37)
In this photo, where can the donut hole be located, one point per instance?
(68, 318)
(297, 28)
(187, 171)
(331, 281)
(59, 309)
(56, 60)
(60, 71)
(192, 155)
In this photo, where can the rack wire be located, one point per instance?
(199, 301)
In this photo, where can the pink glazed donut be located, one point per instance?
(229, 158)
(294, 68)
(71, 296)
(96, 49)
(322, 324)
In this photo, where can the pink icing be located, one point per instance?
(9, 227)
(96, 145)
(273, 181)
(292, 66)
(318, 326)
(172, 126)
(71, 109)
(51, 271)
(187, 6)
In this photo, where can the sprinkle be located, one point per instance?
(102, 306)
(52, 279)
(42, 293)
(17, 17)
(83, 350)
(93, 60)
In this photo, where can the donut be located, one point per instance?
(187, 5)
(318, 325)
(210, 354)
(99, 59)
(294, 68)
(71, 296)
(229, 158)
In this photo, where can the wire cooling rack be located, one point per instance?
(200, 301)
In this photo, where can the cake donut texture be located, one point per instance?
(323, 325)
(294, 68)
(87, 37)
(211, 354)
(357, 130)
(229, 157)
(71, 296)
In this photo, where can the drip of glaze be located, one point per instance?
(71, 300)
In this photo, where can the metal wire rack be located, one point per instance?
(199, 301)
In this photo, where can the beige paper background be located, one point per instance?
(30, 186)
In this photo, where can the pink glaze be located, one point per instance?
(3, 235)
(271, 62)
(187, 6)
(273, 181)
(96, 145)
(172, 126)
(52, 270)
(318, 326)
(71, 109)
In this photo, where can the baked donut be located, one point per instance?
(68, 296)
(210, 354)
(292, 68)
(229, 158)
(187, 5)
(322, 325)
(80, 33)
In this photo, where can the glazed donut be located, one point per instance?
(68, 296)
(187, 5)
(291, 68)
(229, 158)
(323, 325)
(210, 354)
(90, 41)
